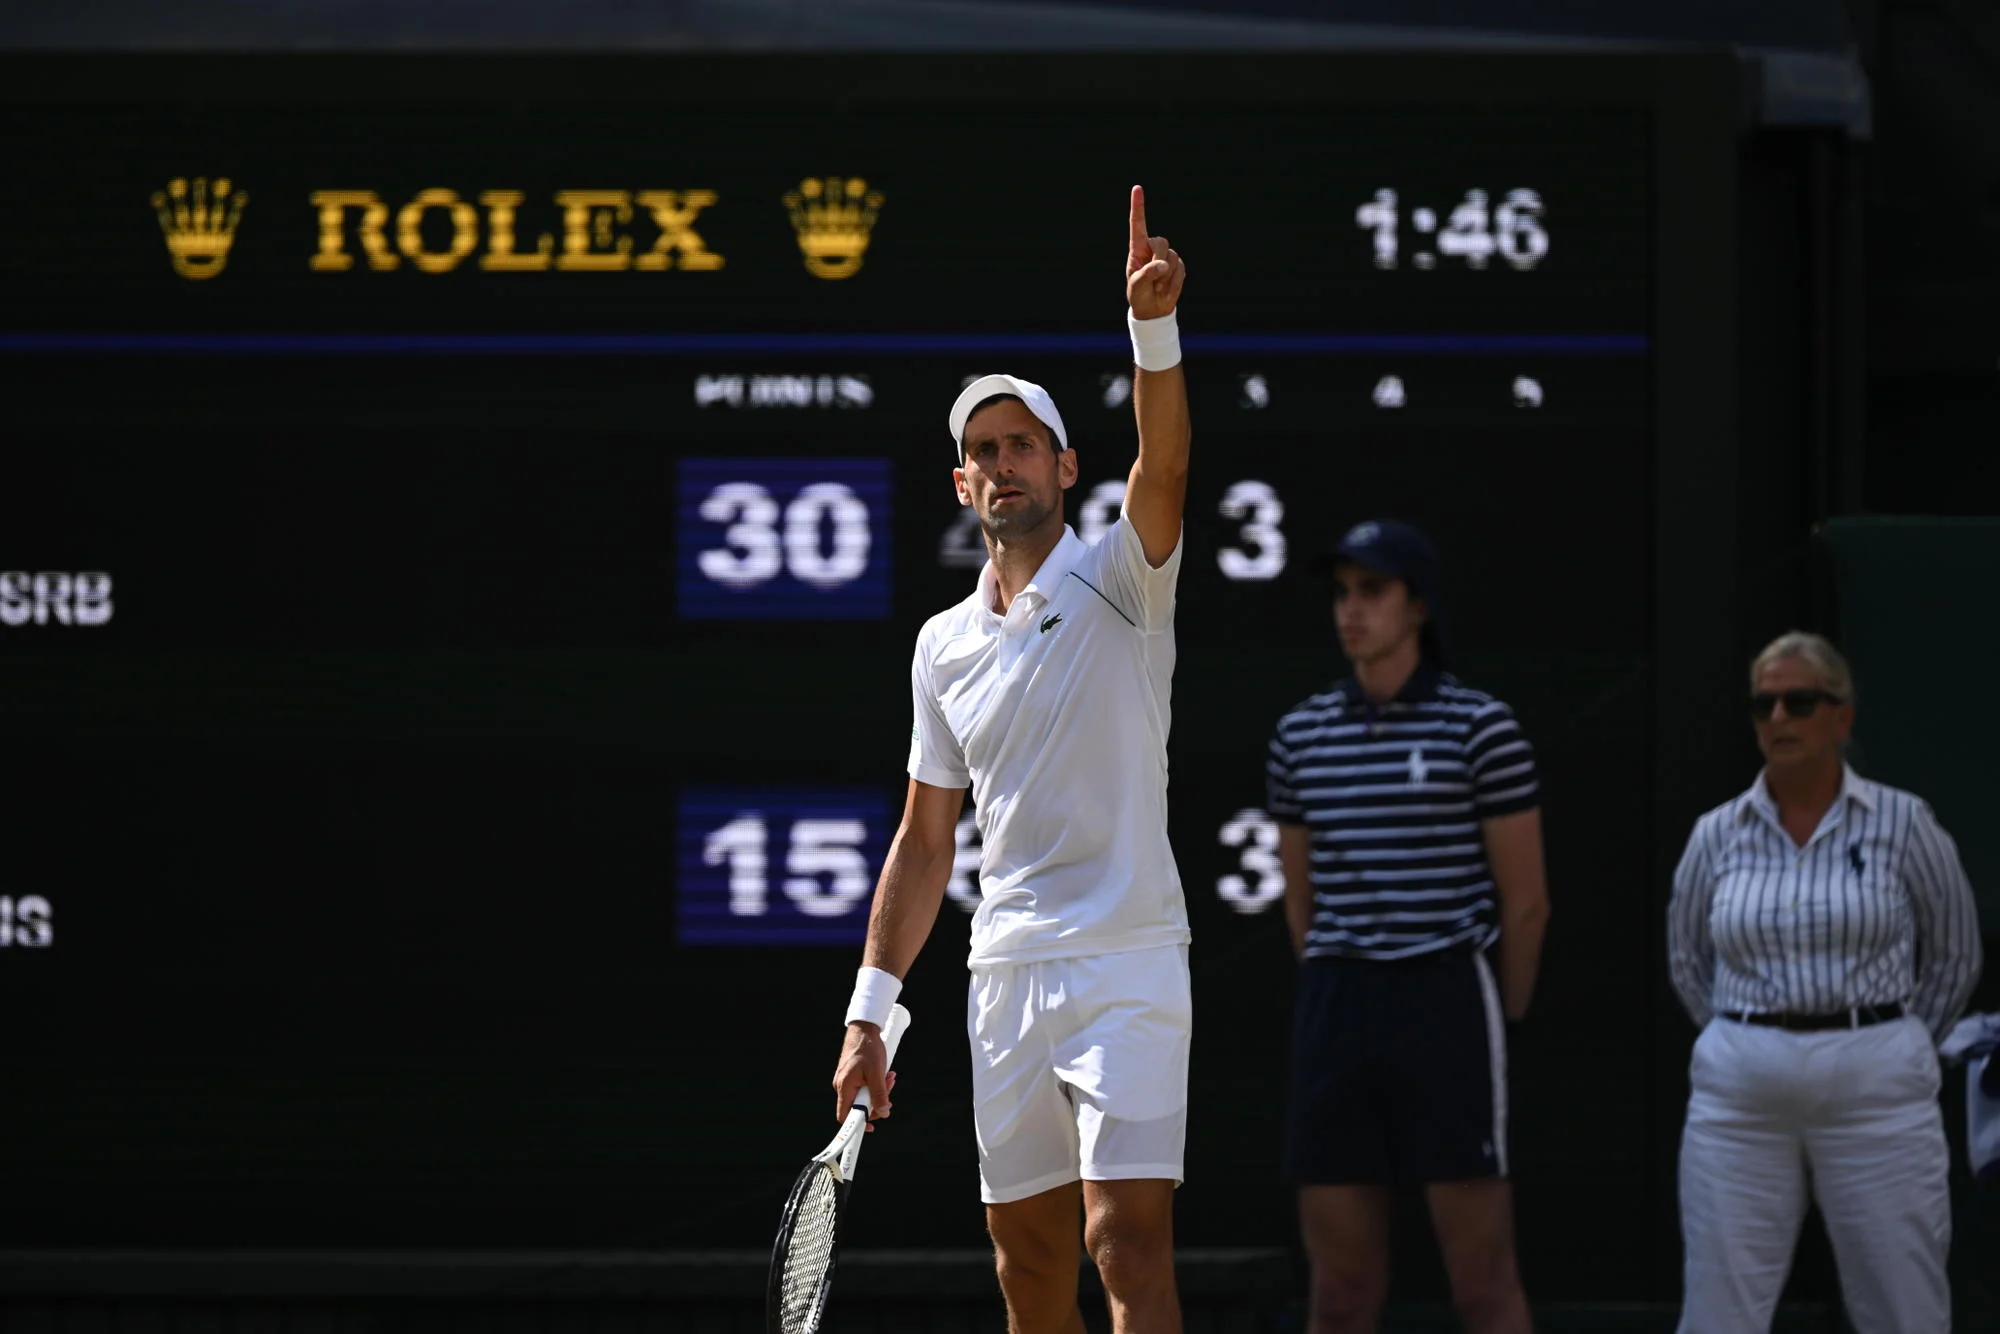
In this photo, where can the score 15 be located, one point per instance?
(778, 866)
(782, 539)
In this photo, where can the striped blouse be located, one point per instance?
(1874, 909)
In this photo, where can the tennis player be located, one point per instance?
(1047, 692)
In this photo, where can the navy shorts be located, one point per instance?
(1399, 1072)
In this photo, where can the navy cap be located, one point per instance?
(1400, 551)
(1391, 547)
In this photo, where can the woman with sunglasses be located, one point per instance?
(1823, 936)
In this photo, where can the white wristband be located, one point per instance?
(875, 993)
(1156, 344)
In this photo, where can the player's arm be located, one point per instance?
(906, 907)
(1295, 856)
(1156, 491)
(913, 878)
(1514, 855)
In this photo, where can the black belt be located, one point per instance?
(1858, 1016)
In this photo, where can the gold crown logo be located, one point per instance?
(200, 224)
(833, 218)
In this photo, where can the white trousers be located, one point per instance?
(1848, 1118)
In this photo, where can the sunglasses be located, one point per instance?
(1798, 703)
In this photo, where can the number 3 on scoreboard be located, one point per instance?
(1259, 880)
(1257, 506)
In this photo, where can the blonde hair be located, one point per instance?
(1835, 677)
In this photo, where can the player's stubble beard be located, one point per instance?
(1019, 522)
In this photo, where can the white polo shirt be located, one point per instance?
(1056, 715)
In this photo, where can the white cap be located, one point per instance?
(986, 386)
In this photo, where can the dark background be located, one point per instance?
(359, 818)
(365, 798)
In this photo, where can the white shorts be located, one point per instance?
(1079, 1070)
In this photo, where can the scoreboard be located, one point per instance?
(467, 523)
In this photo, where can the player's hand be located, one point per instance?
(1153, 271)
(864, 1062)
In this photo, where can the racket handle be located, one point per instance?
(892, 1037)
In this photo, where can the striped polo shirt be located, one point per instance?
(1875, 909)
(1393, 795)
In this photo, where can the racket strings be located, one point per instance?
(809, 1253)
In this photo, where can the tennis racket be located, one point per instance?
(809, 1229)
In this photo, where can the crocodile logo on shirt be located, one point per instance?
(1051, 622)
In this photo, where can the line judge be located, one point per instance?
(1047, 692)
(1823, 936)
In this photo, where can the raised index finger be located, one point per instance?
(1139, 246)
